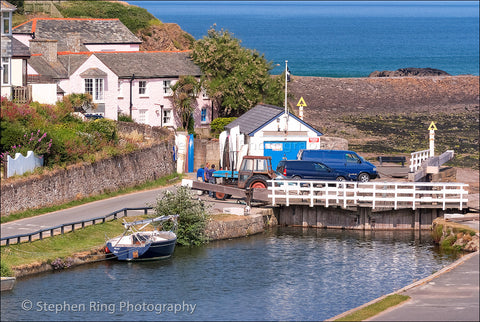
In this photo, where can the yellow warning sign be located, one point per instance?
(301, 102)
(432, 127)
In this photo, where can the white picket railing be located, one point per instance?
(417, 158)
(369, 194)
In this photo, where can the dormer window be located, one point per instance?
(6, 23)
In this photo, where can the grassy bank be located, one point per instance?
(375, 308)
(161, 182)
(60, 246)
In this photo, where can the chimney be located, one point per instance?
(46, 47)
(74, 42)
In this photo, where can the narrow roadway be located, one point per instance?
(99, 209)
(82, 212)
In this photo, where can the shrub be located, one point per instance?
(106, 128)
(124, 118)
(36, 142)
(218, 125)
(192, 215)
(5, 270)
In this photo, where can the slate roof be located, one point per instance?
(19, 49)
(47, 70)
(90, 31)
(259, 116)
(150, 64)
(256, 117)
(93, 72)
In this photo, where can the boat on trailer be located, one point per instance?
(140, 244)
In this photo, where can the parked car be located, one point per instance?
(310, 170)
(342, 160)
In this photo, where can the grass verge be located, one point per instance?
(60, 246)
(161, 182)
(375, 308)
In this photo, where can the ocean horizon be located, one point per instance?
(340, 38)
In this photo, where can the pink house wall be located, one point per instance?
(154, 102)
(76, 85)
(24, 39)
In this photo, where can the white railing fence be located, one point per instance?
(369, 194)
(417, 158)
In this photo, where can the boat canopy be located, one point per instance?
(149, 221)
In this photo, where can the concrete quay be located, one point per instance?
(451, 294)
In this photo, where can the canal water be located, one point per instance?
(288, 273)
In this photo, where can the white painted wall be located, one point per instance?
(17, 72)
(254, 145)
(44, 93)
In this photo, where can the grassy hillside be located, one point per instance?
(135, 18)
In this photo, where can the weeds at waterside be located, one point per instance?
(59, 247)
(406, 133)
(164, 181)
(375, 308)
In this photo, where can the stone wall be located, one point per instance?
(244, 226)
(149, 132)
(206, 151)
(333, 143)
(82, 180)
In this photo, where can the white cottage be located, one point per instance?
(266, 130)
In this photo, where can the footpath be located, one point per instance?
(451, 294)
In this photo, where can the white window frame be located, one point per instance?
(167, 91)
(120, 92)
(6, 18)
(97, 90)
(167, 117)
(6, 71)
(142, 116)
(142, 88)
(204, 94)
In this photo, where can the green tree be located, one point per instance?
(184, 94)
(192, 213)
(79, 102)
(237, 78)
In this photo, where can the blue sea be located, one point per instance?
(340, 38)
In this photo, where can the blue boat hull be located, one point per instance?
(149, 251)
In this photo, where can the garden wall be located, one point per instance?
(82, 180)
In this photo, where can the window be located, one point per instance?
(94, 87)
(142, 116)
(5, 70)
(120, 93)
(204, 94)
(167, 117)
(204, 115)
(6, 23)
(352, 158)
(167, 91)
(142, 87)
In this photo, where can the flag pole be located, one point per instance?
(286, 73)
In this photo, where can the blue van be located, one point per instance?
(348, 161)
(310, 170)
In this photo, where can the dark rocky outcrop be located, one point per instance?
(410, 71)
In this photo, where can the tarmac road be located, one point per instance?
(101, 208)
(87, 211)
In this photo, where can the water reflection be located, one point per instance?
(284, 274)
